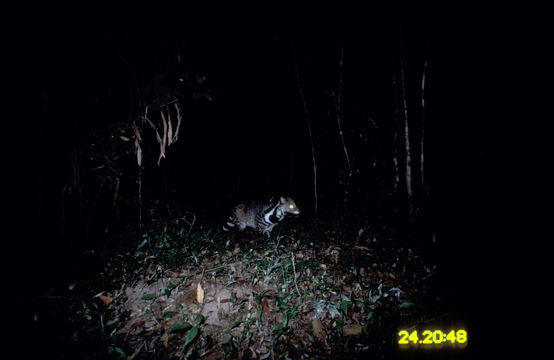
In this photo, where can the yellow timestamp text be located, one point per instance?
(432, 337)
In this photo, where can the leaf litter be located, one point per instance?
(227, 296)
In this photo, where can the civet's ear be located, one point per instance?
(282, 200)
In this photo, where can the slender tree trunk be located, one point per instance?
(310, 133)
(396, 180)
(395, 129)
(290, 167)
(421, 154)
(139, 186)
(406, 140)
(341, 135)
(338, 110)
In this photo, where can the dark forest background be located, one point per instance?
(76, 70)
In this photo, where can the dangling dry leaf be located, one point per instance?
(164, 138)
(199, 294)
(164, 123)
(138, 150)
(137, 132)
(158, 138)
(170, 129)
(162, 154)
(179, 117)
(116, 191)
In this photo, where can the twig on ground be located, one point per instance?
(295, 275)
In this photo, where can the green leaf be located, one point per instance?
(281, 303)
(373, 298)
(117, 350)
(406, 305)
(369, 315)
(344, 307)
(167, 314)
(199, 319)
(191, 335)
(236, 323)
(285, 319)
(179, 327)
(141, 245)
(167, 290)
(148, 297)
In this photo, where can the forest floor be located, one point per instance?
(324, 291)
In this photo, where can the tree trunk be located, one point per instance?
(406, 140)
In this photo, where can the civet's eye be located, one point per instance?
(291, 206)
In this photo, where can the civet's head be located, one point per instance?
(288, 205)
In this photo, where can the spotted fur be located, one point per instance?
(259, 216)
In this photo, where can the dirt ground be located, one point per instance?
(323, 292)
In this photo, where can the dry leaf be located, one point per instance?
(265, 305)
(351, 330)
(165, 339)
(319, 331)
(199, 294)
(132, 357)
(215, 356)
(137, 324)
(187, 297)
(323, 266)
(106, 299)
